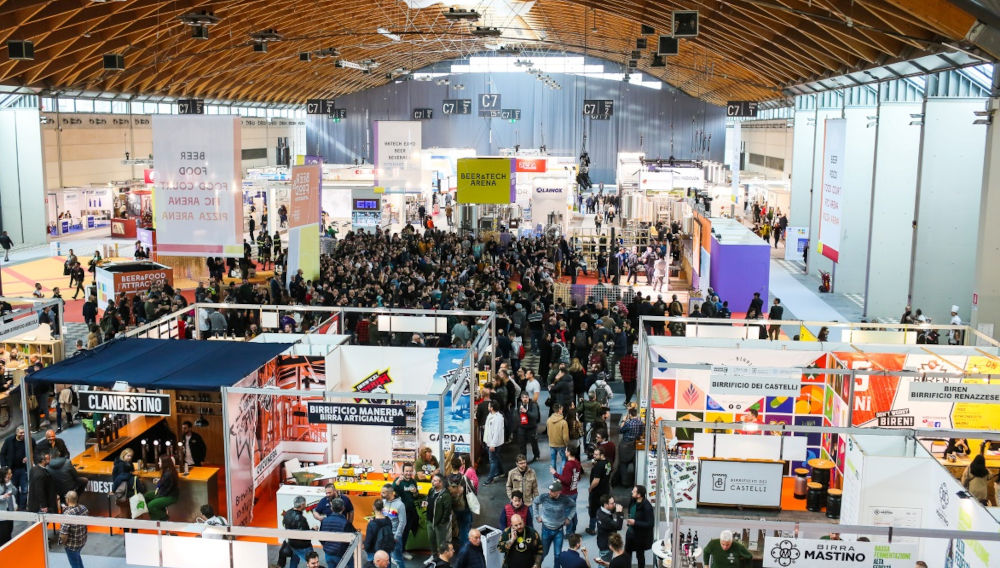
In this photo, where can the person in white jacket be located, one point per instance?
(493, 437)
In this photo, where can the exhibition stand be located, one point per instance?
(740, 262)
(129, 278)
(715, 374)
(77, 209)
(179, 381)
(895, 495)
(164, 544)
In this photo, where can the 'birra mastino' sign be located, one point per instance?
(782, 552)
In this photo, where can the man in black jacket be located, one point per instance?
(528, 416)
(65, 478)
(90, 311)
(193, 444)
(295, 520)
(53, 445)
(756, 304)
(777, 312)
(14, 456)
(639, 537)
(41, 488)
(609, 521)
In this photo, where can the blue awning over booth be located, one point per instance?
(163, 364)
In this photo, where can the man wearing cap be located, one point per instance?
(955, 335)
(553, 510)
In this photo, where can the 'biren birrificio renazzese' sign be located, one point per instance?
(347, 413)
(125, 403)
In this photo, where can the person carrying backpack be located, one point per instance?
(581, 342)
(378, 534)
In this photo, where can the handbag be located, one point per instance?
(470, 497)
(32, 402)
(138, 504)
(284, 553)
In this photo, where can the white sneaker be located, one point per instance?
(407, 556)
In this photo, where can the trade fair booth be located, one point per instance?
(129, 277)
(21, 339)
(139, 392)
(132, 208)
(77, 209)
(839, 384)
(895, 506)
(740, 262)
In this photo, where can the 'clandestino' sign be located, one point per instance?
(125, 403)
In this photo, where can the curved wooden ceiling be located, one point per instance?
(747, 49)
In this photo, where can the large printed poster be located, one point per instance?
(303, 195)
(398, 163)
(198, 188)
(832, 197)
(410, 370)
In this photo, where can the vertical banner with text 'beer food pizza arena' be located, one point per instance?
(486, 180)
(303, 195)
(198, 189)
(831, 210)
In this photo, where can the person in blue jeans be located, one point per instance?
(553, 510)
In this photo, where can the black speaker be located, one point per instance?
(199, 32)
(658, 61)
(667, 45)
(647, 30)
(21, 49)
(640, 43)
(305, 56)
(260, 46)
(632, 63)
(114, 62)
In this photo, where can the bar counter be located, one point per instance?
(198, 487)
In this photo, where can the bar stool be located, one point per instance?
(801, 482)
(833, 499)
(815, 495)
(821, 469)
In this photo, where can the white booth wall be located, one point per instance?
(22, 187)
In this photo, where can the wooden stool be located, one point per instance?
(815, 496)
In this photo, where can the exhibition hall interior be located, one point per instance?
(499, 284)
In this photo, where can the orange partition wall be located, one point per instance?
(26, 549)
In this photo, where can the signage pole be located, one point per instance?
(916, 196)
(871, 204)
(441, 423)
(27, 424)
(850, 399)
(225, 449)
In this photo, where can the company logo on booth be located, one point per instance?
(718, 482)
(375, 382)
(529, 166)
(149, 176)
(786, 553)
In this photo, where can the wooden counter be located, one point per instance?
(199, 487)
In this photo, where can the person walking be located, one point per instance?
(471, 554)
(558, 431)
(395, 509)
(520, 545)
(524, 479)
(438, 514)
(527, 426)
(336, 522)
(7, 244)
(378, 533)
(553, 510)
(570, 479)
(73, 537)
(8, 502)
(639, 536)
(777, 312)
(493, 437)
(14, 457)
(598, 491)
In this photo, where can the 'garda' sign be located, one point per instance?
(125, 403)
(782, 552)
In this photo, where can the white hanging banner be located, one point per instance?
(198, 187)
(398, 166)
(831, 207)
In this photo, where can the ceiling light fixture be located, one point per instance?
(199, 22)
(453, 14)
(388, 34)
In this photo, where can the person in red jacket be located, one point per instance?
(570, 478)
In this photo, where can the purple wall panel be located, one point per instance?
(738, 271)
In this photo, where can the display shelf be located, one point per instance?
(49, 351)
(194, 405)
(404, 438)
(684, 481)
